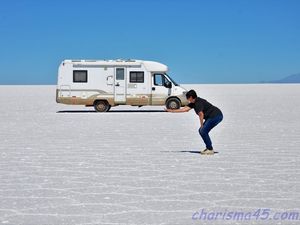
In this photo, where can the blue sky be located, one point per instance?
(212, 41)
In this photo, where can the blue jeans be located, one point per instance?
(207, 126)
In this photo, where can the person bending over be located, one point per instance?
(209, 116)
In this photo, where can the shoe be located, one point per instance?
(207, 152)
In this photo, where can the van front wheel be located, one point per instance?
(173, 103)
(101, 106)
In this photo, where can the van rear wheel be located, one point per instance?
(173, 103)
(101, 106)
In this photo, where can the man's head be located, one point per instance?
(191, 96)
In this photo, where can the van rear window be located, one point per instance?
(136, 77)
(80, 76)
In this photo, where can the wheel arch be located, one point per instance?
(171, 97)
(110, 101)
(100, 99)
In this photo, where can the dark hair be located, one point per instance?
(191, 93)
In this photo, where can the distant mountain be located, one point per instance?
(295, 78)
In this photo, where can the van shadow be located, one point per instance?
(113, 111)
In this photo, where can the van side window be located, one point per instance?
(136, 77)
(80, 76)
(159, 79)
(120, 74)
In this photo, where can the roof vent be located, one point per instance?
(130, 60)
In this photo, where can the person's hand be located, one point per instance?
(168, 110)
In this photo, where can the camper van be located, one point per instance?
(107, 83)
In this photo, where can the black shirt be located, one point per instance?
(208, 109)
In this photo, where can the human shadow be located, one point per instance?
(193, 152)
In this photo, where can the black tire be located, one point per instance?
(173, 103)
(101, 106)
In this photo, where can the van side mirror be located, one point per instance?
(168, 85)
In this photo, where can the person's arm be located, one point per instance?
(201, 117)
(181, 110)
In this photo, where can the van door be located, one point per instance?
(159, 90)
(120, 87)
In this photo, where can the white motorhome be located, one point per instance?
(106, 83)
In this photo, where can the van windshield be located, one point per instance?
(171, 80)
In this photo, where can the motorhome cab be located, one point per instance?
(107, 83)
